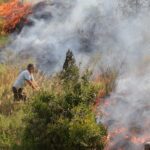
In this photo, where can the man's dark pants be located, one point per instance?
(18, 94)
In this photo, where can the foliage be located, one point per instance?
(10, 129)
(60, 116)
(84, 132)
(52, 125)
(70, 73)
(64, 120)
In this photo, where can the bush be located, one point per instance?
(53, 125)
(61, 117)
(64, 120)
(83, 130)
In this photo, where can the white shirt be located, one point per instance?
(22, 78)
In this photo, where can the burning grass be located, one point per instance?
(124, 136)
(125, 113)
(11, 14)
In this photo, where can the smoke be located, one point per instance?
(78, 25)
(127, 111)
(88, 28)
(110, 32)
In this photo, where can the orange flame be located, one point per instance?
(134, 139)
(12, 13)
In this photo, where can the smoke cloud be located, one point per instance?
(117, 32)
(127, 112)
(88, 28)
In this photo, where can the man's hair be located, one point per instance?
(30, 66)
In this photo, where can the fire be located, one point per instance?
(128, 136)
(133, 135)
(132, 139)
(12, 13)
(139, 140)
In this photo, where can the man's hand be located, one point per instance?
(33, 85)
(36, 85)
(37, 88)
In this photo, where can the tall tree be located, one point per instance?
(70, 71)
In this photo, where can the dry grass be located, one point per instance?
(8, 75)
(12, 114)
(106, 83)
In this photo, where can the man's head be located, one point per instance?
(31, 68)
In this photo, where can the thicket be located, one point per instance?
(59, 117)
(62, 118)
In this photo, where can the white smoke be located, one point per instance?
(129, 108)
(85, 27)
(118, 31)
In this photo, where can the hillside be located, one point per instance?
(92, 66)
(71, 103)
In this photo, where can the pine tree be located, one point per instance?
(69, 61)
(70, 71)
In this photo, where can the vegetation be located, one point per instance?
(64, 120)
(60, 116)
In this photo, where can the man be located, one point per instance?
(24, 77)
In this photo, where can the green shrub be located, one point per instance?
(53, 125)
(64, 120)
(83, 130)
(60, 117)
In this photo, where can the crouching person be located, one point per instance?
(24, 77)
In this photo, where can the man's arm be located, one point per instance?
(35, 83)
(31, 83)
